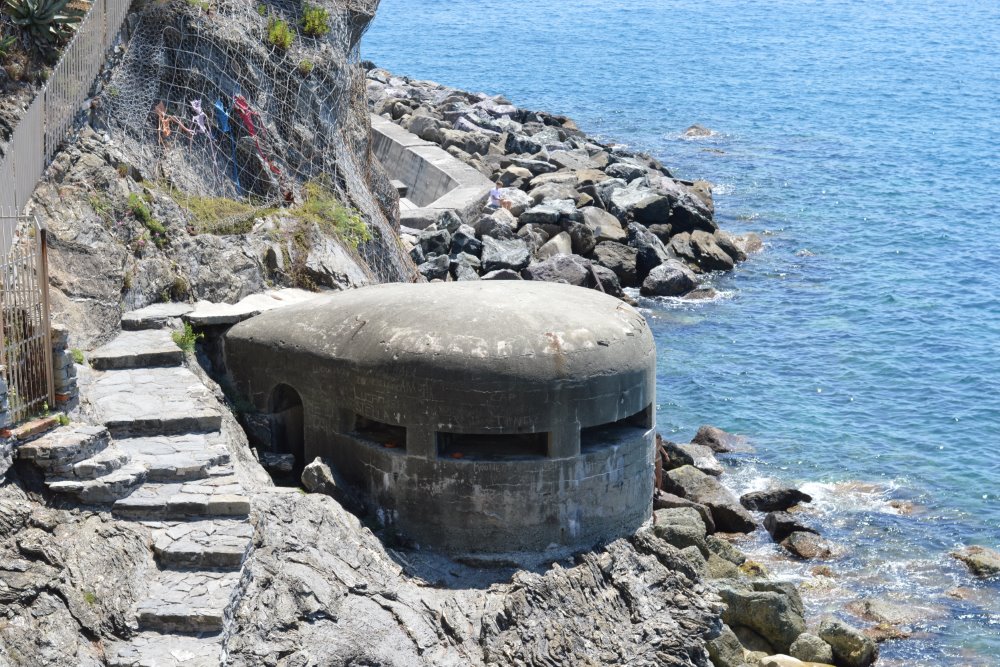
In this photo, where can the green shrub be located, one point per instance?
(322, 207)
(222, 216)
(262, 9)
(5, 44)
(315, 20)
(157, 232)
(279, 34)
(77, 355)
(46, 22)
(186, 338)
(62, 419)
(305, 67)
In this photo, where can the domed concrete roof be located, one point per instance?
(500, 349)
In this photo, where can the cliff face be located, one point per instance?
(151, 202)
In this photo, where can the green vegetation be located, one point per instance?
(315, 20)
(186, 338)
(140, 210)
(46, 22)
(322, 207)
(5, 44)
(262, 9)
(203, 5)
(222, 216)
(279, 34)
(89, 598)
(77, 355)
(305, 67)
(63, 419)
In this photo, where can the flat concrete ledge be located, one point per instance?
(435, 181)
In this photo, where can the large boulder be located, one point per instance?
(682, 527)
(626, 171)
(680, 247)
(782, 524)
(710, 256)
(691, 483)
(640, 204)
(574, 270)
(553, 191)
(517, 200)
(605, 226)
(728, 243)
(521, 144)
(434, 242)
(581, 236)
(464, 240)
(502, 274)
(560, 244)
(619, 258)
(718, 440)
(542, 214)
(808, 545)
(425, 127)
(810, 648)
(981, 561)
(671, 278)
(726, 650)
(774, 500)
(851, 647)
(664, 500)
(499, 224)
(504, 254)
(436, 268)
(775, 614)
(650, 252)
(699, 456)
(514, 177)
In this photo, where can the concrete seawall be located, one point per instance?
(435, 181)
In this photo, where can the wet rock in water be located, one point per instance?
(436, 268)
(691, 483)
(618, 258)
(710, 256)
(782, 524)
(883, 632)
(808, 545)
(509, 254)
(720, 441)
(851, 648)
(892, 613)
(810, 648)
(726, 650)
(981, 561)
(775, 615)
(725, 550)
(681, 527)
(701, 294)
(774, 500)
(728, 243)
(502, 274)
(664, 500)
(671, 278)
(749, 243)
(699, 456)
(697, 131)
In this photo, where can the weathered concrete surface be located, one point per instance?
(470, 358)
(206, 313)
(137, 349)
(436, 182)
(155, 316)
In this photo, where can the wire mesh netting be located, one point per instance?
(237, 102)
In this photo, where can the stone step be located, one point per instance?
(209, 497)
(154, 401)
(105, 489)
(187, 601)
(153, 649)
(137, 349)
(218, 543)
(106, 461)
(156, 316)
(174, 458)
(57, 451)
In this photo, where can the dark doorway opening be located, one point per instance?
(288, 430)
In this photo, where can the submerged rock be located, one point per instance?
(720, 441)
(782, 524)
(808, 545)
(981, 561)
(671, 278)
(774, 500)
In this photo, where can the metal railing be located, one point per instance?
(44, 125)
(25, 329)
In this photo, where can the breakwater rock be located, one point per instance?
(569, 208)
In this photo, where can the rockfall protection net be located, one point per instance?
(233, 100)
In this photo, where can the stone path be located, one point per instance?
(157, 456)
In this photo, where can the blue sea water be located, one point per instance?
(860, 351)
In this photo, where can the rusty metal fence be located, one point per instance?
(25, 330)
(45, 123)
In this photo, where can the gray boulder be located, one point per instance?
(465, 241)
(521, 144)
(810, 648)
(664, 500)
(553, 191)
(318, 477)
(605, 226)
(542, 214)
(535, 236)
(729, 245)
(435, 242)
(710, 256)
(639, 203)
(718, 440)
(650, 252)
(582, 237)
(851, 648)
(680, 247)
(775, 615)
(621, 259)
(568, 269)
(774, 500)
(726, 650)
(560, 244)
(671, 278)
(436, 268)
(691, 483)
(806, 544)
(626, 171)
(504, 254)
(782, 524)
(499, 224)
(682, 527)
(464, 266)
(699, 456)
(725, 550)
(514, 177)
(518, 200)
(536, 167)
(502, 274)
(425, 127)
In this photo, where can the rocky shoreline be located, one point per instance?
(574, 209)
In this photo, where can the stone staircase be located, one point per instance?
(158, 457)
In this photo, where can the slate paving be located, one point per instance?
(138, 349)
(154, 649)
(177, 457)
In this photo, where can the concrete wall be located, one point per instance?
(436, 181)
(471, 358)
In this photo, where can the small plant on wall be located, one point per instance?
(315, 20)
(47, 23)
